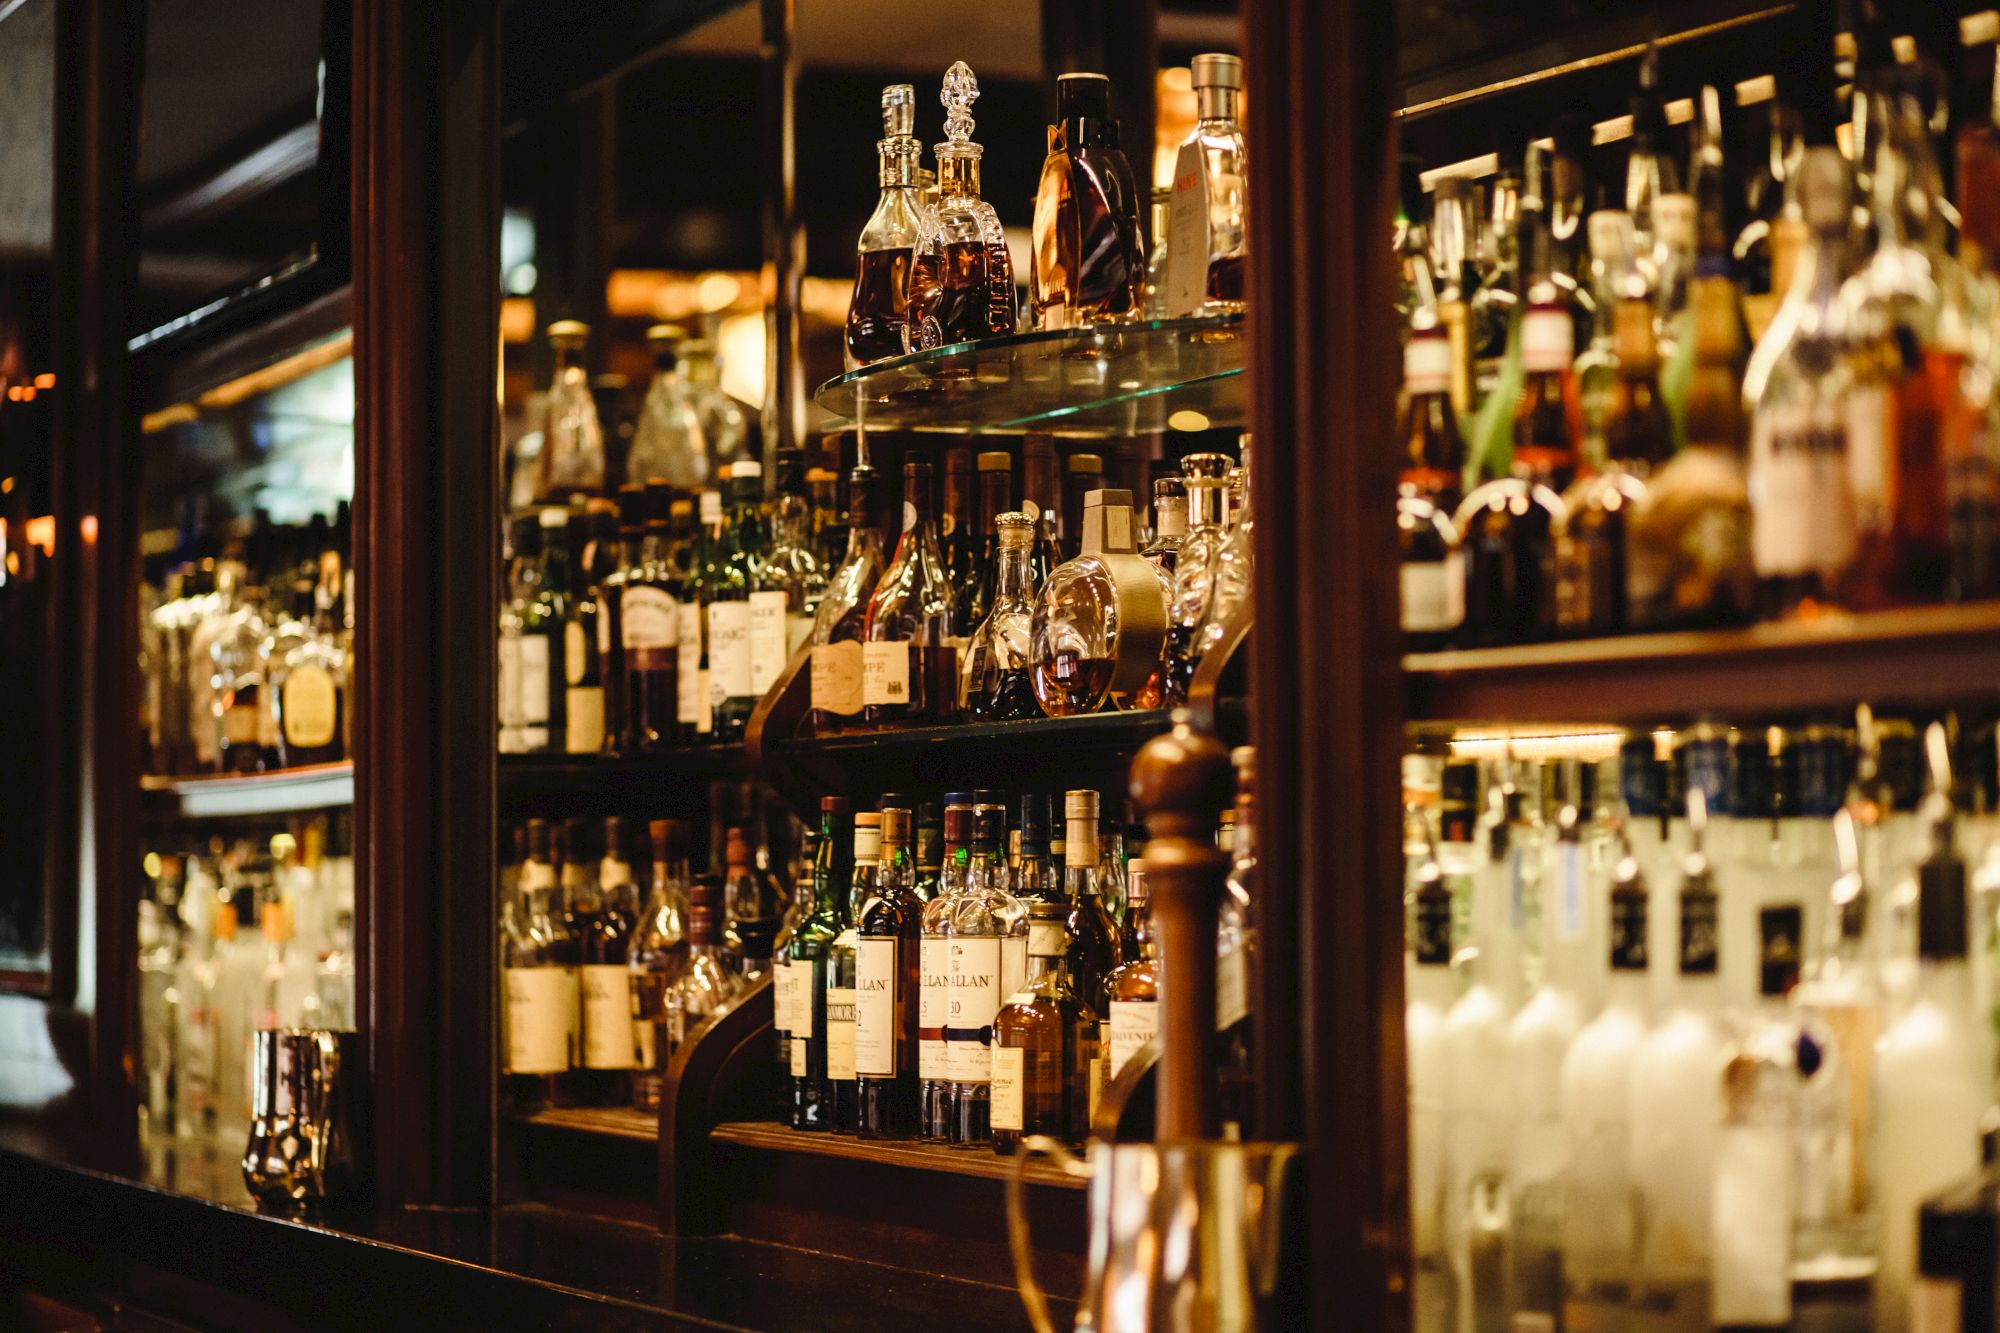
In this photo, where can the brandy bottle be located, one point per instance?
(997, 685)
(878, 315)
(910, 662)
(1090, 253)
(962, 280)
(1100, 620)
(1205, 254)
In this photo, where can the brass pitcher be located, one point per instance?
(304, 1121)
(1184, 1236)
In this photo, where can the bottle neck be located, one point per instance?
(1170, 517)
(898, 166)
(1016, 573)
(1204, 505)
(1218, 108)
(958, 170)
(1080, 845)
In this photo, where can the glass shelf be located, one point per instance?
(1110, 379)
(284, 791)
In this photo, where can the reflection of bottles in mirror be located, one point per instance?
(878, 314)
(962, 282)
(669, 442)
(572, 455)
(996, 685)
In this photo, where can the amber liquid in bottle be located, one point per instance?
(1071, 684)
(961, 287)
(876, 320)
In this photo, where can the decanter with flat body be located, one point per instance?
(962, 281)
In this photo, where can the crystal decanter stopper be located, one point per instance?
(962, 284)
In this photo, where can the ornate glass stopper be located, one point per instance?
(961, 90)
(899, 110)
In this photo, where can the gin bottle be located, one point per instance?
(962, 283)
(878, 314)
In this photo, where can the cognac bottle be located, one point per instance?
(878, 315)
(962, 282)
(1090, 254)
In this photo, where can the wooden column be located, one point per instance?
(1326, 672)
(426, 312)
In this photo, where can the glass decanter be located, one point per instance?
(669, 442)
(838, 625)
(996, 685)
(878, 314)
(1203, 476)
(1205, 263)
(725, 424)
(1229, 584)
(1090, 257)
(962, 283)
(572, 457)
(1100, 619)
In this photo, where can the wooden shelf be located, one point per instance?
(1920, 656)
(766, 1136)
(621, 1122)
(534, 780)
(283, 792)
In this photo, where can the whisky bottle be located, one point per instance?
(312, 680)
(538, 972)
(985, 920)
(238, 670)
(805, 980)
(929, 853)
(839, 626)
(623, 558)
(687, 563)
(649, 626)
(1043, 1045)
(605, 924)
(1038, 501)
(1132, 989)
(1432, 573)
(1090, 252)
(1169, 526)
(910, 662)
(582, 669)
(1506, 531)
(790, 581)
(996, 481)
(887, 991)
(572, 457)
(520, 550)
(1037, 877)
(962, 281)
(1099, 620)
(1094, 951)
(842, 967)
(959, 544)
(540, 689)
(1206, 246)
(708, 982)
(669, 443)
(997, 685)
(934, 953)
(658, 956)
(729, 607)
(713, 576)
(878, 313)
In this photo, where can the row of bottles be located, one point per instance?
(932, 264)
(601, 982)
(236, 936)
(1718, 392)
(954, 979)
(246, 651)
(1695, 1031)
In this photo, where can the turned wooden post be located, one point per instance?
(1182, 780)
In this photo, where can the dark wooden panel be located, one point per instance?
(1326, 674)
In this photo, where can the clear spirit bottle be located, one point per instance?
(878, 314)
(1206, 246)
(962, 281)
(1203, 476)
(669, 443)
(1090, 254)
(572, 457)
(659, 954)
(998, 683)
(790, 581)
(725, 425)
(708, 982)
(1428, 983)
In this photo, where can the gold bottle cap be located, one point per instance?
(1086, 463)
(1080, 804)
(995, 460)
(571, 332)
(661, 334)
(1215, 70)
(895, 827)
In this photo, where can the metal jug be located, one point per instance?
(303, 1116)
(1184, 1236)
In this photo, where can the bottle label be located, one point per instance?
(648, 617)
(782, 992)
(240, 723)
(1628, 931)
(311, 704)
(690, 703)
(1433, 594)
(510, 681)
(768, 640)
(1187, 234)
(840, 1034)
(1133, 1024)
(533, 679)
(1871, 425)
(607, 1016)
(1047, 939)
(975, 998)
(875, 1026)
(1232, 988)
(1008, 1098)
(1698, 934)
(1427, 365)
(1548, 341)
(576, 653)
(1013, 964)
(583, 719)
(1804, 507)
(885, 673)
(933, 1004)
(798, 628)
(728, 651)
(604, 627)
(836, 678)
(541, 1019)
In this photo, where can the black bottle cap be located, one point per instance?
(989, 827)
(1036, 818)
(1941, 915)
(988, 796)
(893, 798)
(1084, 95)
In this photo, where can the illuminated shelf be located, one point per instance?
(765, 1136)
(235, 796)
(1114, 379)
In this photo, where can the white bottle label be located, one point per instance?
(1008, 1097)
(933, 1004)
(1232, 989)
(840, 1035)
(534, 679)
(836, 678)
(768, 643)
(1187, 234)
(975, 998)
(510, 680)
(576, 653)
(875, 1026)
(1433, 594)
(607, 1016)
(798, 628)
(541, 1019)
(583, 717)
(1133, 1024)
(1047, 939)
(649, 618)
(781, 995)
(311, 704)
(690, 702)
(728, 650)
(704, 719)
(1013, 965)
(1801, 491)
(885, 673)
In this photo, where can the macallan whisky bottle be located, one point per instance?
(878, 315)
(962, 283)
(1090, 253)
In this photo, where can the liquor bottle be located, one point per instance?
(957, 542)
(583, 673)
(523, 552)
(710, 563)
(1203, 476)
(237, 671)
(888, 931)
(910, 668)
(1098, 626)
(975, 596)
(1043, 1045)
(789, 570)
(604, 918)
(929, 852)
(1235, 563)
(572, 457)
(668, 443)
(1428, 982)
(986, 919)
(725, 424)
(1038, 501)
(649, 627)
(1169, 526)
(1506, 531)
(878, 313)
(1161, 222)
(752, 907)
(998, 682)
(1600, 1207)
(934, 953)
(707, 983)
(1236, 945)
(1038, 878)
(538, 970)
(1131, 990)
(1090, 252)
(804, 981)
(842, 966)
(1590, 541)
(1933, 1079)
(728, 608)
(623, 558)
(839, 627)
(1432, 573)
(1207, 232)
(1094, 945)
(310, 682)
(829, 519)
(1649, 172)
(658, 956)
(688, 557)
(1082, 474)
(962, 280)
(1799, 383)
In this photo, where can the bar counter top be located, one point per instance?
(201, 1255)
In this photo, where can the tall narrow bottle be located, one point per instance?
(934, 953)
(789, 581)
(910, 663)
(804, 980)
(1038, 501)
(887, 991)
(1432, 575)
(1042, 1045)
(658, 956)
(962, 281)
(538, 971)
(1204, 476)
(985, 918)
(649, 627)
(1132, 989)
(840, 625)
(878, 313)
(1207, 229)
(842, 968)
(608, 1047)
(729, 608)
(998, 683)
(1427, 978)
(996, 482)
(1090, 255)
